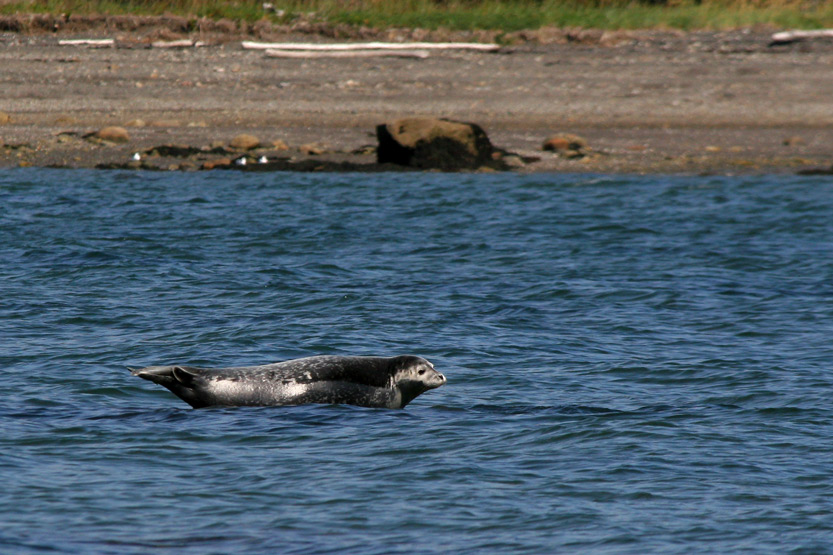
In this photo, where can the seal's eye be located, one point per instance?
(422, 371)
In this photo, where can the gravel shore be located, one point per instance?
(646, 102)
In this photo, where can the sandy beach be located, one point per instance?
(646, 102)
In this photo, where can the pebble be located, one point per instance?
(65, 119)
(564, 141)
(219, 163)
(566, 145)
(165, 123)
(112, 134)
(244, 142)
(311, 149)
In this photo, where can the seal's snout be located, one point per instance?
(437, 380)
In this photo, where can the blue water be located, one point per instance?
(635, 364)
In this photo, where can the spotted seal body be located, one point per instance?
(385, 382)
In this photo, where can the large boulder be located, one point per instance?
(432, 143)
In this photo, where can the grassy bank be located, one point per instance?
(504, 15)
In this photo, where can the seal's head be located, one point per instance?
(413, 376)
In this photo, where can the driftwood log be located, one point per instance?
(346, 53)
(95, 43)
(249, 45)
(793, 36)
(183, 43)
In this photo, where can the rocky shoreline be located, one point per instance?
(640, 102)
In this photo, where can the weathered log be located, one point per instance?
(184, 43)
(250, 45)
(347, 54)
(96, 43)
(793, 36)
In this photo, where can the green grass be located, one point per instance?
(501, 15)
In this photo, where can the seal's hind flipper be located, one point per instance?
(184, 376)
(157, 374)
(183, 381)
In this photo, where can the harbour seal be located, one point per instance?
(384, 382)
